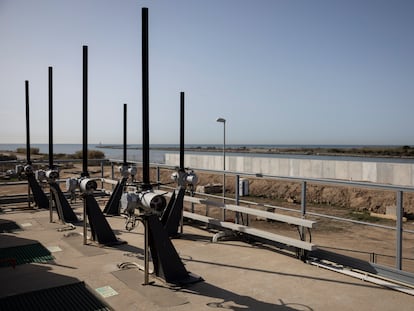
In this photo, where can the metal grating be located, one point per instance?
(25, 254)
(68, 297)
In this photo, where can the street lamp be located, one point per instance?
(222, 120)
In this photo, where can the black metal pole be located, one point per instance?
(125, 134)
(27, 124)
(85, 113)
(50, 72)
(182, 131)
(50, 118)
(145, 101)
(28, 161)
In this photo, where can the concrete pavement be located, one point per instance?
(237, 276)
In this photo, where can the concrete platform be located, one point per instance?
(237, 276)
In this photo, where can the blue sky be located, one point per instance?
(279, 71)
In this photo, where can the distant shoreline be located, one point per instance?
(386, 152)
(363, 151)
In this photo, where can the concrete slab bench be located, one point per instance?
(297, 243)
(252, 211)
(252, 231)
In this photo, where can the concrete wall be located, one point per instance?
(401, 174)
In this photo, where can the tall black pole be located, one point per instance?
(27, 124)
(145, 101)
(125, 134)
(182, 131)
(50, 118)
(85, 113)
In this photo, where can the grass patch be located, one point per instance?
(364, 216)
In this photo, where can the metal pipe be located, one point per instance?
(50, 118)
(125, 134)
(85, 113)
(28, 160)
(145, 101)
(182, 169)
(85, 135)
(50, 72)
(182, 131)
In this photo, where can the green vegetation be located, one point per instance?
(33, 150)
(60, 156)
(397, 151)
(92, 154)
(5, 157)
(364, 216)
(404, 151)
(363, 151)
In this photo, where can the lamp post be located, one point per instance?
(222, 120)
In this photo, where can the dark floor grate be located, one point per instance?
(25, 254)
(68, 297)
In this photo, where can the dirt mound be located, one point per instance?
(358, 199)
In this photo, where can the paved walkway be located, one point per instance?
(237, 276)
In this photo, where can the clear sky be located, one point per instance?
(279, 71)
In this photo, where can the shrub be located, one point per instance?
(92, 154)
(5, 157)
(33, 150)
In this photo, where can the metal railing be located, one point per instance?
(399, 191)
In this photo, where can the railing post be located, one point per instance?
(399, 229)
(302, 229)
(224, 197)
(303, 209)
(237, 194)
(102, 174)
(112, 174)
(158, 177)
